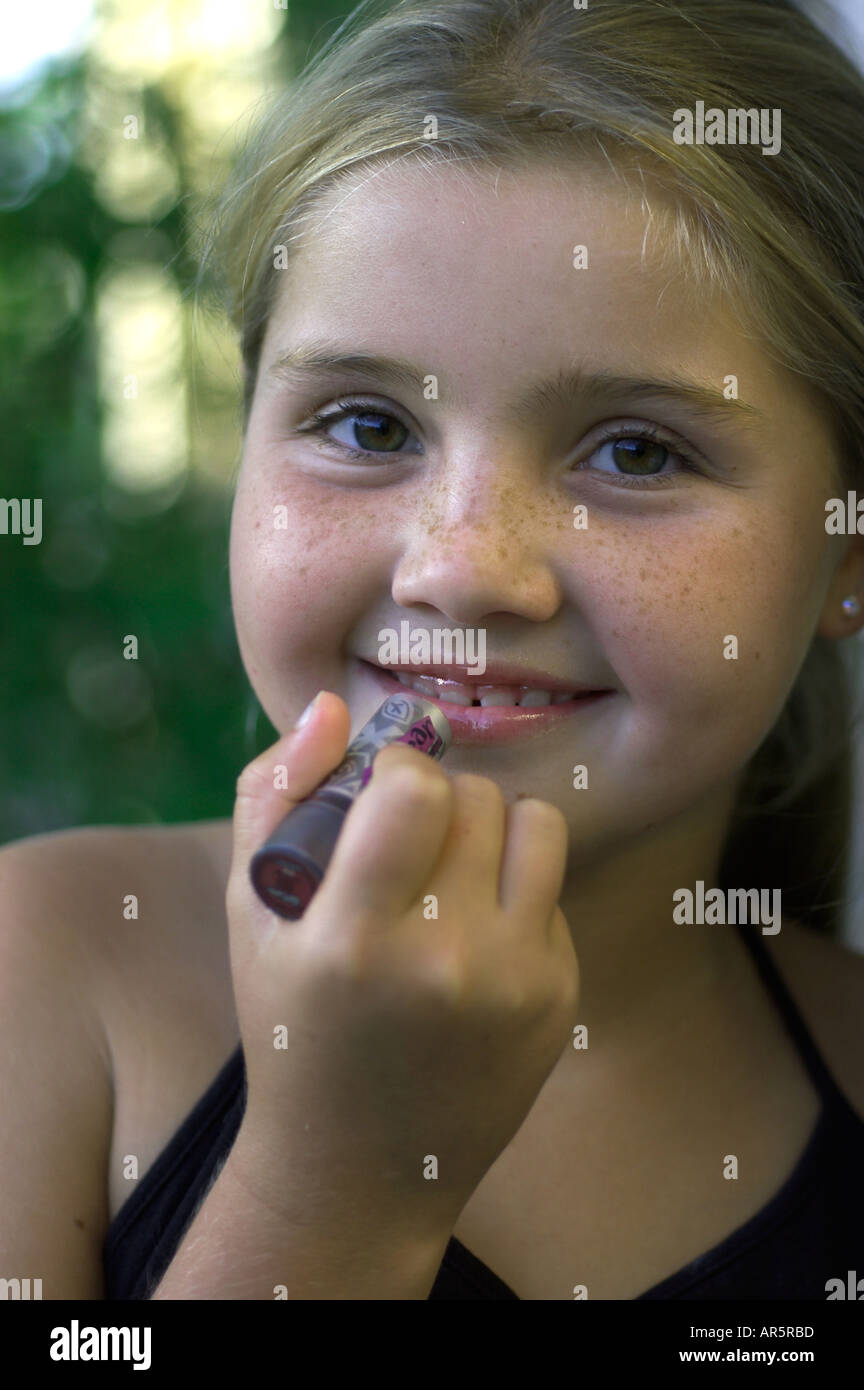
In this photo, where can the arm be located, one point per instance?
(55, 1076)
(237, 1247)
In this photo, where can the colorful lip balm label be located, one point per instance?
(401, 719)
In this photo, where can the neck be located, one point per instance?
(641, 971)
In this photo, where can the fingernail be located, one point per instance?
(307, 713)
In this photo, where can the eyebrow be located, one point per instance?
(318, 358)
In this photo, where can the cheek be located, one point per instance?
(299, 553)
(713, 626)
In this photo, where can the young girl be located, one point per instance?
(527, 355)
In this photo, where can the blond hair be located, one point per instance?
(511, 82)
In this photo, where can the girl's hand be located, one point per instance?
(401, 1036)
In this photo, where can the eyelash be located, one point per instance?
(345, 408)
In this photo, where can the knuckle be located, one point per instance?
(473, 787)
(254, 778)
(245, 781)
(417, 782)
(520, 997)
(340, 958)
(444, 975)
(541, 813)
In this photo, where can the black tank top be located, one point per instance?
(811, 1231)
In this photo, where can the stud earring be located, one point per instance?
(851, 606)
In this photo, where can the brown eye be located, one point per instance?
(376, 431)
(643, 456)
(373, 429)
(639, 458)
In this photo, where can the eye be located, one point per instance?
(366, 424)
(645, 450)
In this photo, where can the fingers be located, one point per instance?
(535, 859)
(303, 758)
(390, 841)
(472, 849)
(412, 818)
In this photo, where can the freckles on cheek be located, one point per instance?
(302, 549)
(676, 616)
(710, 646)
(291, 530)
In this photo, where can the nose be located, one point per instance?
(480, 544)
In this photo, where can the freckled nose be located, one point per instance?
(490, 558)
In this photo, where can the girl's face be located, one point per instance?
(692, 593)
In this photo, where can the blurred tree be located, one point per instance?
(89, 736)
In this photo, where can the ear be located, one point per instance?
(848, 582)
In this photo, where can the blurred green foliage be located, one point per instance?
(88, 737)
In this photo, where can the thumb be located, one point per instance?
(273, 783)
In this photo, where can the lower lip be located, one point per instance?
(496, 723)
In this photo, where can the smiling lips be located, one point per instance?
(461, 693)
(499, 713)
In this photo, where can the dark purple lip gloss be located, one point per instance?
(288, 868)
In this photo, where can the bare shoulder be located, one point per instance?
(113, 957)
(123, 897)
(214, 837)
(826, 979)
(84, 867)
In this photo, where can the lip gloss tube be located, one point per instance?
(288, 868)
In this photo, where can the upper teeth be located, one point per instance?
(458, 694)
